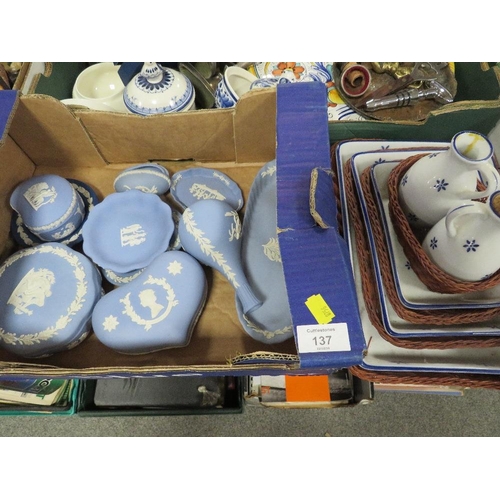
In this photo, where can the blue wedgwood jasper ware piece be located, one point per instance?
(146, 177)
(49, 206)
(25, 238)
(120, 279)
(126, 231)
(210, 230)
(157, 90)
(158, 310)
(175, 241)
(195, 184)
(261, 259)
(47, 294)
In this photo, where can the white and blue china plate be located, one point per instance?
(25, 238)
(382, 355)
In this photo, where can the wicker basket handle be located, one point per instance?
(322, 201)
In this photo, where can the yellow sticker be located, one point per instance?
(319, 309)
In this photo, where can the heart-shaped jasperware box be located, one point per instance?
(47, 294)
(158, 310)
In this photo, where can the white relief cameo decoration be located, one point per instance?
(132, 235)
(32, 290)
(203, 192)
(40, 194)
(272, 250)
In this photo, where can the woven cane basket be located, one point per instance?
(432, 276)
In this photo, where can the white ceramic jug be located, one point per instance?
(465, 242)
(443, 180)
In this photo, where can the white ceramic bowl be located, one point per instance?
(87, 103)
(100, 83)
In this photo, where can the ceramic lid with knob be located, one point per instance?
(157, 90)
(47, 295)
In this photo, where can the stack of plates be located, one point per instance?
(403, 345)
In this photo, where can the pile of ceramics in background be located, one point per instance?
(153, 88)
(154, 256)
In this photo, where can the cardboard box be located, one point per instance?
(41, 135)
(172, 396)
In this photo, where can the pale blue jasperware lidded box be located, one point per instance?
(47, 295)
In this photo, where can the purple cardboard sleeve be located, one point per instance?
(7, 102)
(318, 273)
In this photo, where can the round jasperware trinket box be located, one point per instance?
(47, 294)
(127, 231)
(68, 236)
(49, 206)
(156, 311)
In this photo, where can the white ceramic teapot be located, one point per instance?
(465, 242)
(157, 90)
(443, 180)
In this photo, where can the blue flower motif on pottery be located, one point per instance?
(404, 180)
(433, 243)
(412, 217)
(223, 97)
(440, 185)
(407, 265)
(146, 86)
(471, 245)
(433, 155)
(379, 161)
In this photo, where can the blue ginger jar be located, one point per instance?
(47, 294)
(210, 230)
(156, 311)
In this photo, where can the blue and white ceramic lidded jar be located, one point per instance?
(210, 230)
(49, 206)
(158, 310)
(157, 90)
(47, 294)
(146, 177)
(127, 231)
